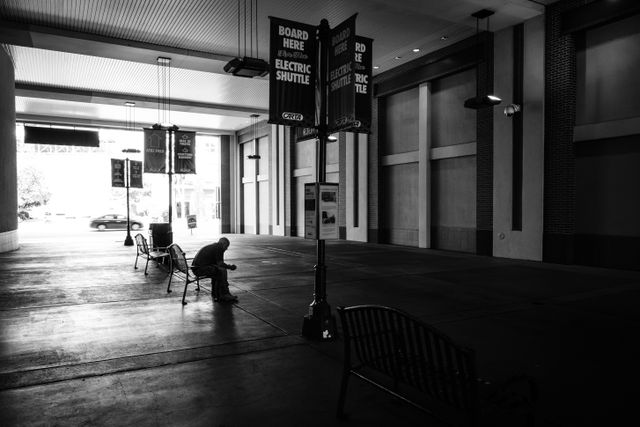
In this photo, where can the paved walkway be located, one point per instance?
(87, 340)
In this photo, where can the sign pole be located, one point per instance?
(170, 173)
(320, 324)
(128, 241)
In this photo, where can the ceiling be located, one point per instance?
(78, 61)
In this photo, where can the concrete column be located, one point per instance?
(424, 168)
(8, 168)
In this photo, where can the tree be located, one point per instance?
(32, 190)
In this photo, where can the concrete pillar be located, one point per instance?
(8, 169)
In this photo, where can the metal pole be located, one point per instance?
(128, 241)
(320, 324)
(170, 174)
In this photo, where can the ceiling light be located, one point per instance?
(375, 67)
(243, 65)
(443, 38)
(398, 57)
(416, 49)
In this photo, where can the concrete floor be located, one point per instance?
(87, 340)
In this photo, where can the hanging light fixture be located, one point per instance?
(247, 66)
(481, 100)
(254, 136)
(163, 72)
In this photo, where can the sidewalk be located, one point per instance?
(86, 339)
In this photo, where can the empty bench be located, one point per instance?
(142, 250)
(413, 361)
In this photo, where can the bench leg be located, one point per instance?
(184, 294)
(135, 266)
(169, 285)
(343, 395)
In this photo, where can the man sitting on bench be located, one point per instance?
(209, 261)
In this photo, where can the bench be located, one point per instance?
(179, 266)
(420, 365)
(142, 250)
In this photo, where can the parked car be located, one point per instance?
(114, 222)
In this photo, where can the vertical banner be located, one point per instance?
(155, 151)
(135, 174)
(310, 211)
(117, 173)
(341, 102)
(293, 51)
(363, 71)
(185, 152)
(328, 207)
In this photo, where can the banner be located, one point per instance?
(135, 174)
(117, 173)
(302, 134)
(155, 151)
(341, 102)
(292, 86)
(185, 152)
(363, 85)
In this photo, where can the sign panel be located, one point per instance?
(363, 85)
(292, 73)
(310, 211)
(135, 174)
(191, 221)
(117, 173)
(303, 134)
(155, 151)
(341, 102)
(185, 152)
(328, 207)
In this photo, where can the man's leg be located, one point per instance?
(223, 287)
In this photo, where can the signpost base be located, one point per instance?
(319, 324)
(128, 241)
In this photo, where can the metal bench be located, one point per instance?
(142, 250)
(413, 361)
(179, 266)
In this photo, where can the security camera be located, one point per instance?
(511, 109)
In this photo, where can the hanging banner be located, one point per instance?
(303, 134)
(135, 174)
(363, 75)
(185, 152)
(117, 173)
(155, 151)
(341, 102)
(292, 85)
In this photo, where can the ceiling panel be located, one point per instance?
(55, 46)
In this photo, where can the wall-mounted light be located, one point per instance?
(512, 109)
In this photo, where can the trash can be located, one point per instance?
(160, 234)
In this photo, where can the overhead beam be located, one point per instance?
(93, 123)
(597, 13)
(48, 38)
(109, 98)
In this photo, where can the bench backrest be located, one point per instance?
(178, 259)
(141, 243)
(409, 351)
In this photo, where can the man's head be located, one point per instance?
(224, 242)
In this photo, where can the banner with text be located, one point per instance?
(341, 102)
(185, 152)
(135, 174)
(363, 70)
(292, 73)
(303, 134)
(117, 173)
(155, 151)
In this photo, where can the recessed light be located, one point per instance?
(375, 67)
(415, 49)
(397, 57)
(443, 38)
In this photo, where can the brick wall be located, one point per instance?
(484, 156)
(560, 113)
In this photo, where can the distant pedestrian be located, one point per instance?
(209, 261)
